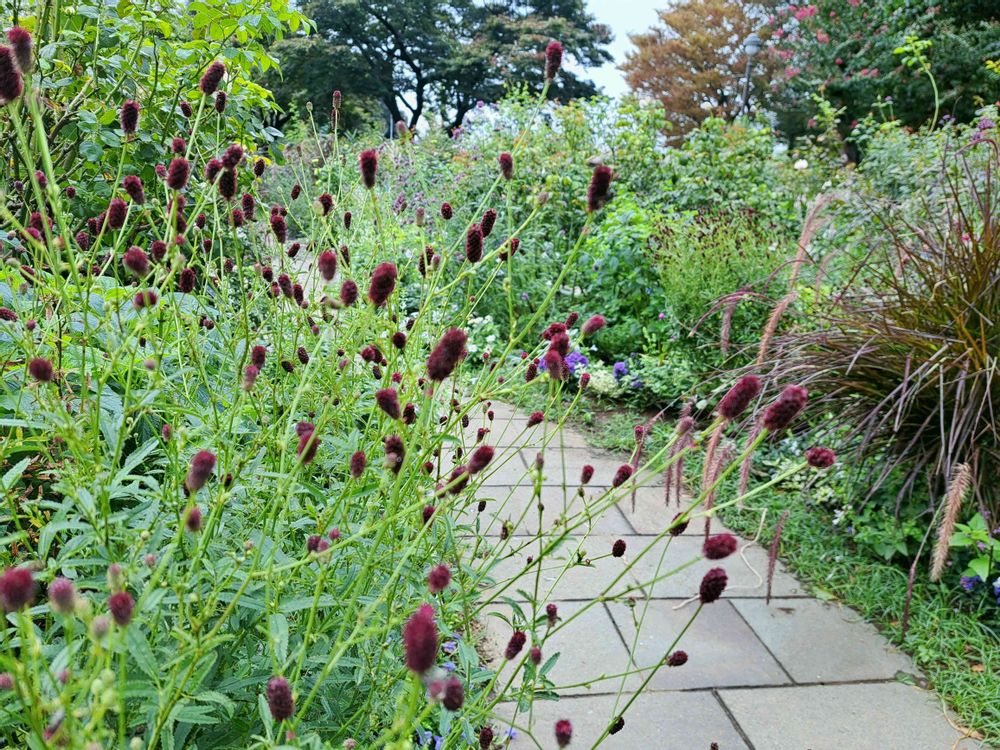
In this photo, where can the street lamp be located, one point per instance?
(751, 45)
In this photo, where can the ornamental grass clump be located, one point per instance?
(260, 507)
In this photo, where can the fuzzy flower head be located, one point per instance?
(599, 191)
(480, 458)
(593, 325)
(553, 59)
(474, 243)
(136, 261)
(420, 640)
(62, 596)
(17, 589)
(387, 400)
(506, 162)
(739, 397)
(121, 604)
(789, 403)
(719, 546)
(202, 465)
(368, 164)
(820, 458)
(444, 358)
(439, 578)
(11, 84)
(20, 43)
(133, 186)
(128, 116)
(212, 77)
(41, 370)
(712, 585)
(622, 475)
(178, 173)
(382, 284)
(279, 698)
(517, 640)
(564, 732)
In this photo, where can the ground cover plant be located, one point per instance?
(243, 463)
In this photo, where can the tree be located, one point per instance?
(417, 57)
(693, 61)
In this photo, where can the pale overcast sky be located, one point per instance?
(624, 17)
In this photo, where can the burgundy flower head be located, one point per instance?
(506, 165)
(553, 59)
(62, 596)
(564, 732)
(279, 227)
(488, 222)
(17, 589)
(420, 639)
(586, 474)
(514, 645)
(454, 694)
(780, 414)
(446, 211)
(121, 604)
(145, 299)
(128, 116)
(358, 461)
(11, 84)
(439, 578)
(186, 281)
(622, 475)
(535, 418)
(178, 173)
(820, 458)
(133, 186)
(447, 354)
(551, 614)
(712, 585)
(232, 156)
(136, 261)
(388, 401)
(20, 42)
(327, 264)
(258, 355)
(593, 325)
(41, 369)
(719, 546)
(599, 191)
(382, 284)
(677, 659)
(618, 548)
(258, 168)
(555, 364)
(395, 452)
(368, 163)
(279, 699)
(308, 442)
(474, 243)
(348, 293)
(739, 397)
(202, 465)
(117, 211)
(480, 458)
(212, 77)
(485, 738)
(193, 519)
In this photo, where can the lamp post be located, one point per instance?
(751, 45)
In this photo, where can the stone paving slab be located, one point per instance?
(590, 648)
(516, 506)
(722, 649)
(744, 580)
(656, 721)
(561, 576)
(874, 716)
(851, 648)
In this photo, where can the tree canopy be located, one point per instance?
(422, 57)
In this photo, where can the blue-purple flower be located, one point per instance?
(619, 370)
(969, 582)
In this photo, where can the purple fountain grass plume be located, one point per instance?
(673, 475)
(772, 326)
(961, 481)
(747, 462)
(772, 554)
(722, 458)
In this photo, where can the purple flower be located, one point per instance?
(969, 582)
(619, 370)
(575, 359)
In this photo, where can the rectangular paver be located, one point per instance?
(822, 641)
(882, 716)
(721, 648)
(656, 721)
(516, 506)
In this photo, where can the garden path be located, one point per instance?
(793, 674)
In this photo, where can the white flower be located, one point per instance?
(801, 164)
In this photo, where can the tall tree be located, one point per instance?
(693, 60)
(417, 57)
